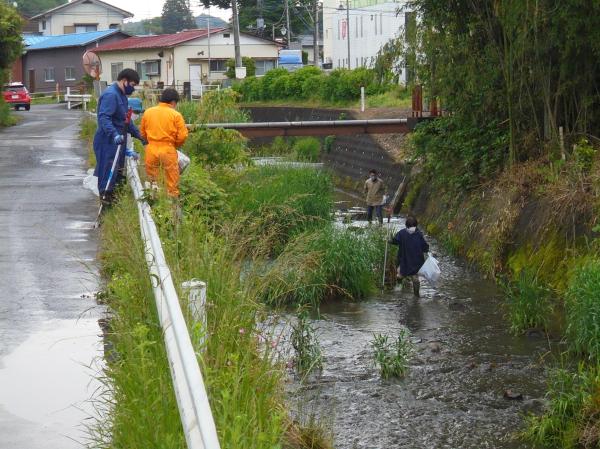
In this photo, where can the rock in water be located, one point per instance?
(509, 394)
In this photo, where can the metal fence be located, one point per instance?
(192, 399)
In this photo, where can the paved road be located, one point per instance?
(48, 328)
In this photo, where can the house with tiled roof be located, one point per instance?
(193, 56)
(51, 60)
(80, 16)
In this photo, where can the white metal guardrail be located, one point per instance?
(194, 408)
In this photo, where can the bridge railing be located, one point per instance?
(192, 399)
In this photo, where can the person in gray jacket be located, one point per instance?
(375, 191)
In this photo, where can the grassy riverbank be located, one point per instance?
(242, 230)
(534, 229)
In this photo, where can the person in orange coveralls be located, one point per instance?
(164, 129)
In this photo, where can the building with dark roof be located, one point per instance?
(51, 60)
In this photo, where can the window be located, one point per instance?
(148, 68)
(115, 68)
(226, 35)
(85, 27)
(43, 24)
(70, 74)
(114, 26)
(49, 74)
(263, 66)
(218, 65)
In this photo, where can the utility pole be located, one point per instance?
(348, 29)
(287, 22)
(236, 33)
(316, 34)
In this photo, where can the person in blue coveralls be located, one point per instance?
(112, 131)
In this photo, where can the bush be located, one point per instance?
(221, 106)
(310, 82)
(216, 146)
(200, 195)
(582, 306)
(246, 62)
(307, 149)
(189, 110)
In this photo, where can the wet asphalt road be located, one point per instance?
(48, 328)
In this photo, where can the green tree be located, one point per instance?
(176, 16)
(11, 44)
(32, 7)
(246, 62)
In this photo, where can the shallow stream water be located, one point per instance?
(454, 393)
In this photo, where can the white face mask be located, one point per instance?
(373, 177)
(411, 230)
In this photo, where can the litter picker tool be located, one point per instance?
(114, 165)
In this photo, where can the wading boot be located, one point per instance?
(416, 286)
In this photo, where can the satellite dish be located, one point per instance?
(92, 64)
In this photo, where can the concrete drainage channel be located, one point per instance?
(192, 399)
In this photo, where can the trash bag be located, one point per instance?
(91, 182)
(183, 161)
(431, 270)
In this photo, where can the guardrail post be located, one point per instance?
(197, 303)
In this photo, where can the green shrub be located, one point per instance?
(246, 62)
(307, 149)
(392, 355)
(221, 106)
(529, 302)
(582, 308)
(571, 418)
(200, 195)
(189, 110)
(216, 146)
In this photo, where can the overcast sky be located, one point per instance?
(146, 9)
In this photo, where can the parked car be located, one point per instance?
(16, 95)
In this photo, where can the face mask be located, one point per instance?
(373, 178)
(129, 89)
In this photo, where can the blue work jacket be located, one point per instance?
(112, 111)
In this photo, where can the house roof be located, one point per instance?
(159, 41)
(71, 40)
(76, 2)
(32, 39)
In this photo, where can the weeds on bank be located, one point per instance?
(392, 355)
(325, 263)
(582, 306)
(529, 302)
(305, 344)
(571, 419)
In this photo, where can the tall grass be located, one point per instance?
(307, 149)
(392, 355)
(529, 302)
(583, 310)
(276, 203)
(241, 375)
(572, 416)
(323, 264)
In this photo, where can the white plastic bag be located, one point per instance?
(91, 182)
(431, 270)
(183, 161)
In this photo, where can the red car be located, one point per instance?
(16, 95)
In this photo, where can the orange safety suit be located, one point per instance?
(164, 129)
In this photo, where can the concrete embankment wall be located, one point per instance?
(349, 156)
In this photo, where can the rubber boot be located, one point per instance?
(416, 286)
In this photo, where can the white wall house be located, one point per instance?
(80, 16)
(371, 24)
(177, 58)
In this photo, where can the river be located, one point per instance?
(454, 393)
